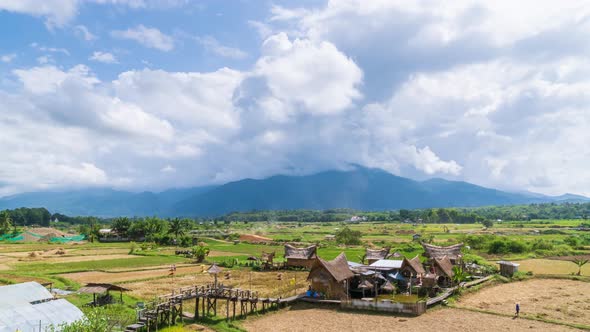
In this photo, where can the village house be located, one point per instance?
(331, 278)
(300, 257)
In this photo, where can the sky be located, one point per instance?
(156, 94)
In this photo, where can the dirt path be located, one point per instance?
(555, 299)
(303, 318)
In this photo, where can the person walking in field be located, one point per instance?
(517, 309)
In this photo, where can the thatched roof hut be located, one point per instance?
(412, 267)
(331, 277)
(443, 266)
(300, 257)
(373, 255)
(453, 253)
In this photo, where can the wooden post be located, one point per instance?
(196, 307)
(227, 309)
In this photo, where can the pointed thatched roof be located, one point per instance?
(365, 284)
(337, 268)
(415, 265)
(451, 252)
(214, 269)
(300, 253)
(376, 254)
(445, 266)
(388, 286)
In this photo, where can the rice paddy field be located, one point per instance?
(146, 273)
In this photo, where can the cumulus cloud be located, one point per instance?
(148, 37)
(469, 91)
(104, 57)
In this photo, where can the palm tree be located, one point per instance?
(580, 261)
(177, 227)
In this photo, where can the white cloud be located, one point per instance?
(6, 58)
(104, 57)
(44, 59)
(212, 45)
(56, 12)
(306, 76)
(50, 49)
(148, 37)
(168, 169)
(83, 32)
(482, 92)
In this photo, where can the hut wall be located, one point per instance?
(300, 262)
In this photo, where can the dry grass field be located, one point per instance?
(560, 300)
(304, 318)
(551, 266)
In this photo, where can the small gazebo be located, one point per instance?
(101, 293)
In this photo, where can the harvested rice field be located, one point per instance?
(553, 299)
(265, 283)
(552, 266)
(305, 318)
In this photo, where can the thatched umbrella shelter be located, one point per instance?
(331, 277)
(214, 270)
(365, 285)
(388, 287)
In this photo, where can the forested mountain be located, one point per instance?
(360, 189)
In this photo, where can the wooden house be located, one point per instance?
(373, 255)
(300, 257)
(331, 278)
(412, 267)
(442, 268)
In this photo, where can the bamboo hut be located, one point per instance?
(300, 257)
(331, 277)
(373, 255)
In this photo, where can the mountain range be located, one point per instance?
(360, 188)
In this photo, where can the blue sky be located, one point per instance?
(154, 94)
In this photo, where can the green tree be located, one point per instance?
(459, 275)
(200, 252)
(348, 237)
(487, 223)
(5, 222)
(178, 227)
(121, 226)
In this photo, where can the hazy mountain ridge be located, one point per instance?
(361, 188)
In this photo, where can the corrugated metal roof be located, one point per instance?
(387, 264)
(30, 317)
(25, 293)
(18, 313)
